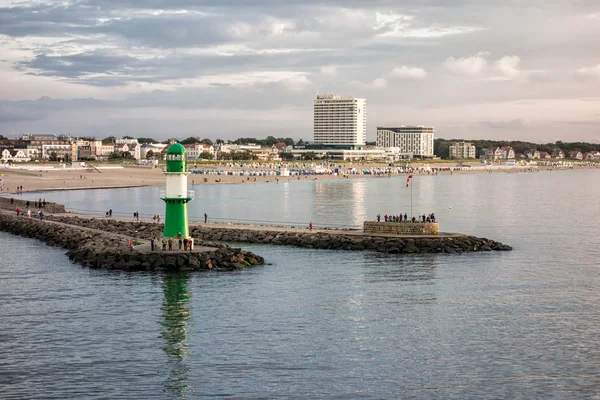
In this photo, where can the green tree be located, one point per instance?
(149, 155)
(53, 156)
(114, 156)
(190, 140)
(270, 141)
(288, 141)
(128, 137)
(309, 156)
(126, 155)
(109, 139)
(144, 140)
(205, 155)
(300, 142)
(207, 141)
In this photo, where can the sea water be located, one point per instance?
(317, 323)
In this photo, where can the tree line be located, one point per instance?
(441, 147)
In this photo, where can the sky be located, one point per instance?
(474, 69)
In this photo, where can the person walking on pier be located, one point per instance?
(180, 243)
(130, 245)
(152, 243)
(28, 214)
(170, 244)
(18, 211)
(205, 217)
(378, 217)
(110, 212)
(164, 244)
(310, 226)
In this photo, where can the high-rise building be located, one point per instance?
(340, 121)
(414, 140)
(462, 150)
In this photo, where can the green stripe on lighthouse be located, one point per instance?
(176, 194)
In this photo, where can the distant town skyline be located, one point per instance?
(506, 70)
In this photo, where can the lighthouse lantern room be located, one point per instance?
(176, 196)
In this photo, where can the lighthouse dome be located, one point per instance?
(176, 148)
(176, 158)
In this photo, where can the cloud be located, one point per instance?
(377, 83)
(329, 70)
(391, 25)
(467, 65)
(508, 66)
(406, 72)
(297, 84)
(588, 72)
(250, 58)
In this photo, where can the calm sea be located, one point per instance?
(323, 324)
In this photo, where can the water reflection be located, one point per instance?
(340, 203)
(176, 313)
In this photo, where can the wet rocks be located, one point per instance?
(105, 249)
(341, 241)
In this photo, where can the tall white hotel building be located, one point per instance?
(340, 121)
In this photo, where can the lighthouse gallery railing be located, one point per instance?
(190, 194)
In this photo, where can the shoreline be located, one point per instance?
(122, 178)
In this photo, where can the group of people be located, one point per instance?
(167, 244)
(20, 212)
(109, 213)
(38, 204)
(136, 215)
(404, 218)
(156, 218)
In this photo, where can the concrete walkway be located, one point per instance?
(273, 228)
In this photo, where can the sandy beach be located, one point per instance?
(45, 178)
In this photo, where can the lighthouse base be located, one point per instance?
(176, 219)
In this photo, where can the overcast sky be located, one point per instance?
(507, 69)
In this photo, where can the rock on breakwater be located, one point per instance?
(103, 249)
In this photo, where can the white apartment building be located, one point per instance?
(129, 142)
(63, 151)
(156, 149)
(463, 151)
(105, 150)
(340, 121)
(409, 139)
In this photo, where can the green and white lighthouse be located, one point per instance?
(176, 195)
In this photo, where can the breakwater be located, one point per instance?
(338, 240)
(11, 203)
(331, 240)
(98, 248)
